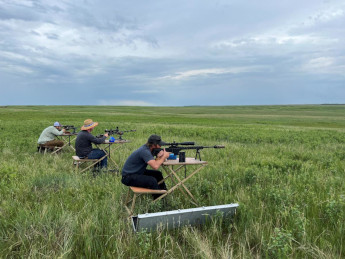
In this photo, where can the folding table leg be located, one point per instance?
(184, 180)
(172, 178)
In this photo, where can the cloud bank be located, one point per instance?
(171, 52)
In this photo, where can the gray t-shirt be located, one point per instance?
(137, 162)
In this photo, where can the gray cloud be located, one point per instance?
(172, 52)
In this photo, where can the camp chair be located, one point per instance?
(41, 148)
(136, 192)
(77, 161)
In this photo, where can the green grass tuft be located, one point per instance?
(284, 165)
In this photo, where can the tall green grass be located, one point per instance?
(284, 165)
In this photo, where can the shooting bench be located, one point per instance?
(106, 147)
(78, 161)
(137, 191)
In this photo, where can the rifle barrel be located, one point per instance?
(193, 147)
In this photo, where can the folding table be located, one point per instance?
(67, 138)
(106, 147)
(173, 169)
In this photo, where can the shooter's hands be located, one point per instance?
(160, 158)
(160, 154)
(106, 134)
(63, 130)
(163, 154)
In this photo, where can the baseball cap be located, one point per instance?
(57, 124)
(155, 139)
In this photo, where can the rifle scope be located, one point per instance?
(174, 144)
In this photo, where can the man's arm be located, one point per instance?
(57, 132)
(155, 164)
(95, 140)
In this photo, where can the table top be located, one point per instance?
(69, 134)
(189, 161)
(115, 142)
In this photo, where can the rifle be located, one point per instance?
(176, 149)
(68, 127)
(116, 132)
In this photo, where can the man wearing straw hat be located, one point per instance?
(83, 143)
(47, 137)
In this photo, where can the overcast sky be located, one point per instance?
(195, 52)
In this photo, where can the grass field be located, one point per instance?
(284, 165)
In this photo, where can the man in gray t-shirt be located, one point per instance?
(134, 172)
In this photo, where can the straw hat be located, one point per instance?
(88, 124)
